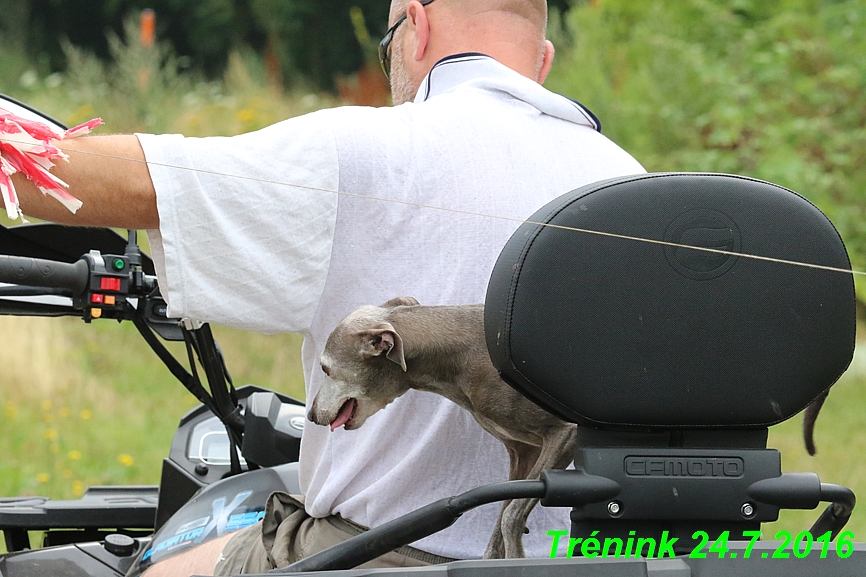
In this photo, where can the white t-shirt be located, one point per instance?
(290, 228)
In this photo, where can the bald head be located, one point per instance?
(533, 11)
(511, 31)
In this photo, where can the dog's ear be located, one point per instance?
(383, 340)
(400, 302)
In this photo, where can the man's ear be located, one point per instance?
(547, 62)
(419, 27)
(400, 302)
(383, 340)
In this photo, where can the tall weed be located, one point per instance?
(767, 89)
(149, 89)
(771, 89)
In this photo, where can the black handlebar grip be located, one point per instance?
(44, 273)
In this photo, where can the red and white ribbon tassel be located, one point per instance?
(26, 147)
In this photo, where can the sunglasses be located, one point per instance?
(385, 44)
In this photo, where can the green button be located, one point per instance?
(119, 264)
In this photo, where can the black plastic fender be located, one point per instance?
(87, 560)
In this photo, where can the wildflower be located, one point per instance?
(64, 412)
(84, 111)
(74, 455)
(11, 410)
(43, 478)
(51, 434)
(46, 405)
(86, 415)
(125, 460)
(28, 79)
(77, 488)
(246, 115)
(53, 80)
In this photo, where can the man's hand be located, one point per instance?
(109, 175)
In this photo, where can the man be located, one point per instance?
(292, 227)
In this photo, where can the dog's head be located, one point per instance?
(364, 366)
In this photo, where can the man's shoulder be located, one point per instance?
(441, 116)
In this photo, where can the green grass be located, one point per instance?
(89, 405)
(92, 405)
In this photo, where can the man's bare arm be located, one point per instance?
(108, 174)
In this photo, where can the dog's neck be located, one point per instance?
(442, 346)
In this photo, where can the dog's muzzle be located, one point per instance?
(343, 416)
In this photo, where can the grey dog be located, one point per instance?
(378, 353)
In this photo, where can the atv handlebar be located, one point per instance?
(99, 285)
(115, 286)
(45, 273)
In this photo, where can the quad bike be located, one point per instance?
(674, 317)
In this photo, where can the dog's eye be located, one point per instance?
(326, 369)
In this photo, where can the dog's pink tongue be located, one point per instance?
(344, 415)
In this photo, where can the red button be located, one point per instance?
(96, 298)
(109, 284)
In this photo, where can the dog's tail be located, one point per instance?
(809, 418)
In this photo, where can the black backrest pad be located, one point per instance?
(610, 331)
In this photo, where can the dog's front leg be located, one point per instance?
(521, 459)
(557, 452)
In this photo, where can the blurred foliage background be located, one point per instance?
(772, 89)
(767, 88)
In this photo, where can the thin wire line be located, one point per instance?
(478, 214)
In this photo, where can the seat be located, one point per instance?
(675, 317)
